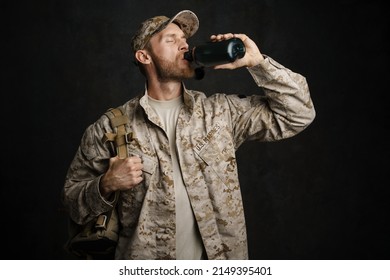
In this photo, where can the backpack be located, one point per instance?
(98, 238)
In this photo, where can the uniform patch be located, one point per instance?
(207, 138)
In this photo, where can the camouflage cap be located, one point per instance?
(186, 19)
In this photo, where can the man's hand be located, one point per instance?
(122, 174)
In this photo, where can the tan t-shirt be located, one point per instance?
(189, 245)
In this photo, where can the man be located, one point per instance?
(179, 191)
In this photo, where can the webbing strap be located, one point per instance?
(120, 137)
(118, 120)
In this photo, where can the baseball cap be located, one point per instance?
(186, 20)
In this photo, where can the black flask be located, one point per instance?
(216, 53)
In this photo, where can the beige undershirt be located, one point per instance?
(188, 242)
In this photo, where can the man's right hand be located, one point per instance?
(122, 174)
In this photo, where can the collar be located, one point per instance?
(188, 98)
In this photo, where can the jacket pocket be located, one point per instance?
(148, 162)
(219, 154)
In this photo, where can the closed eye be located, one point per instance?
(171, 38)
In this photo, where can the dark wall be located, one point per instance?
(322, 194)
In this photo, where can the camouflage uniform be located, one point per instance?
(209, 131)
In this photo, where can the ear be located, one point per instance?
(143, 57)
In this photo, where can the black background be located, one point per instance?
(322, 194)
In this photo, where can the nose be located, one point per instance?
(184, 45)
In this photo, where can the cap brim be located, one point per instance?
(188, 22)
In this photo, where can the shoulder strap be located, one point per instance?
(120, 137)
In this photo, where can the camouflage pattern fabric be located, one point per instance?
(209, 131)
(186, 20)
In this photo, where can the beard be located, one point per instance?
(167, 70)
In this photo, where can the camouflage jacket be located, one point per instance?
(209, 131)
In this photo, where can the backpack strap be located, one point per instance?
(120, 137)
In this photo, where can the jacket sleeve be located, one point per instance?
(81, 195)
(284, 110)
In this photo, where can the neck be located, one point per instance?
(164, 90)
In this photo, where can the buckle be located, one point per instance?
(101, 222)
(128, 137)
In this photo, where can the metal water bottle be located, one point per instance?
(216, 53)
